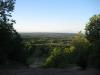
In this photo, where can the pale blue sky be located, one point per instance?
(54, 15)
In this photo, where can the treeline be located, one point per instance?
(82, 50)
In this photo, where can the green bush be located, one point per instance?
(80, 50)
(57, 59)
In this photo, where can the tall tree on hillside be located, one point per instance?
(93, 35)
(10, 41)
(93, 29)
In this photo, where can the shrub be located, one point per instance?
(57, 59)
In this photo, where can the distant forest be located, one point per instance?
(48, 50)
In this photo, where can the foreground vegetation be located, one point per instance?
(51, 50)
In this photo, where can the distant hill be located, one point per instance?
(50, 35)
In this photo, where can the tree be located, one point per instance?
(93, 35)
(93, 29)
(11, 46)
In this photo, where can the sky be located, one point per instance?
(61, 16)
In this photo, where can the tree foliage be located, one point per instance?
(57, 59)
(11, 46)
(93, 35)
(93, 29)
(80, 53)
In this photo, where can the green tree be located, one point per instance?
(11, 46)
(93, 35)
(93, 29)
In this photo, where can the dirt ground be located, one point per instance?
(37, 71)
